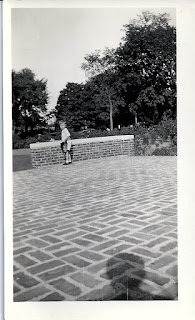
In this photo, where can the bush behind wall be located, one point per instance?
(148, 141)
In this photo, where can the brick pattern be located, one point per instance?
(84, 151)
(102, 229)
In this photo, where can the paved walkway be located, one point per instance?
(101, 229)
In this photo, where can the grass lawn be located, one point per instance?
(21, 159)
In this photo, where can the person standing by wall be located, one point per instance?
(66, 143)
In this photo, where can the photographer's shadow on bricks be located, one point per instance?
(126, 273)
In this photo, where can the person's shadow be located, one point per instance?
(126, 272)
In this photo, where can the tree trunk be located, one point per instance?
(111, 109)
(136, 119)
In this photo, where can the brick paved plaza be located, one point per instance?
(102, 229)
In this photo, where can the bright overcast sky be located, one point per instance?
(53, 42)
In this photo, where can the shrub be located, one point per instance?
(17, 142)
(92, 133)
(167, 128)
(43, 137)
(165, 152)
(144, 136)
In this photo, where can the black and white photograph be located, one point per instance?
(94, 139)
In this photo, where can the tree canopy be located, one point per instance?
(102, 68)
(146, 66)
(137, 80)
(71, 105)
(29, 100)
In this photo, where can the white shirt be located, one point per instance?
(65, 135)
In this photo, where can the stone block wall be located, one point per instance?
(48, 153)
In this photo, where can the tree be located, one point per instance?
(104, 113)
(102, 66)
(134, 82)
(146, 67)
(50, 119)
(29, 100)
(83, 105)
(72, 105)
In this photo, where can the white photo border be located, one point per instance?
(183, 308)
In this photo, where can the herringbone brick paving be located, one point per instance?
(101, 229)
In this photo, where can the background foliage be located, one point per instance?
(134, 82)
(133, 86)
(29, 101)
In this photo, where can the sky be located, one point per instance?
(53, 42)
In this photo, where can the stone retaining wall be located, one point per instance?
(48, 153)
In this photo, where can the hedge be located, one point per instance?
(148, 136)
